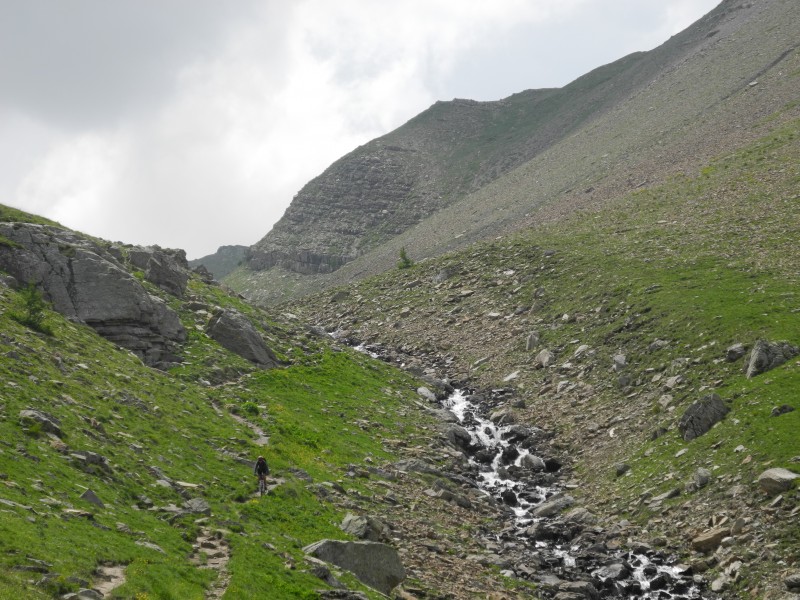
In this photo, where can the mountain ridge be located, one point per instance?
(695, 78)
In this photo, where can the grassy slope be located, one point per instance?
(139, 418)
(701, 263)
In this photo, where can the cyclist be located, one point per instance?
(261, 470)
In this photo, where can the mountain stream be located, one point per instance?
(511, 473)
(570, 553)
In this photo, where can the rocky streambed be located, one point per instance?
(547, 539)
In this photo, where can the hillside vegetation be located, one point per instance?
(669, 278)
(138, 482)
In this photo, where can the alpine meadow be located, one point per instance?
(542, 347)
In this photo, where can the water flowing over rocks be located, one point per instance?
(569, 554)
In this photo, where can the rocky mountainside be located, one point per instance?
(464, 171)
(654, 344)
(126, 470)
(222, 262)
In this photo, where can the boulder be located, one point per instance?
(532, 463)
(580, 351)
(234, 331)
(92, 498)
(88, 460)
(702, 477)
(576, 589)
(503, 416)
(792, 582)
(364, 527)
(48, 423)
(781, 410)
(458, 436)
(735, 352)
(776, 480)
(701, 416)
(532, 341)
(580, 515)
(197, 506)
(85, 282)
(444, 415)
(426, 394)
(553, 506)
(613, 572)
(374, 564)
(709, 540)
(768, 355)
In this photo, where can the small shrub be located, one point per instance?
(251, 408)
(34, 306)
(404, 262)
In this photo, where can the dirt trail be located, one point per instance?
(262, 439)
(211, 551)
(109, 577)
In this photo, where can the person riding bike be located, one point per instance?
(261, 470)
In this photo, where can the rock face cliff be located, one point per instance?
(89, 282)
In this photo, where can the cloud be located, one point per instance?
(192, 123)
(86, 63)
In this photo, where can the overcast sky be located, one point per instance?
(192, 123)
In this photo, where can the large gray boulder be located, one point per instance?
(84, 281)
(458, 436)
(234, 331)
(47, 423)
(374, 564)
(777, 480)
(553, 506)
(768, 355)
(701, 416)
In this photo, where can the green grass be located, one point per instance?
(13, 215)
(148, 423)
(699, 262)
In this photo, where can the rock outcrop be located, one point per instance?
(768, 355)
(167, 269)
(85, 281)
(235, 332)
(701, 416)
(376, 565)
